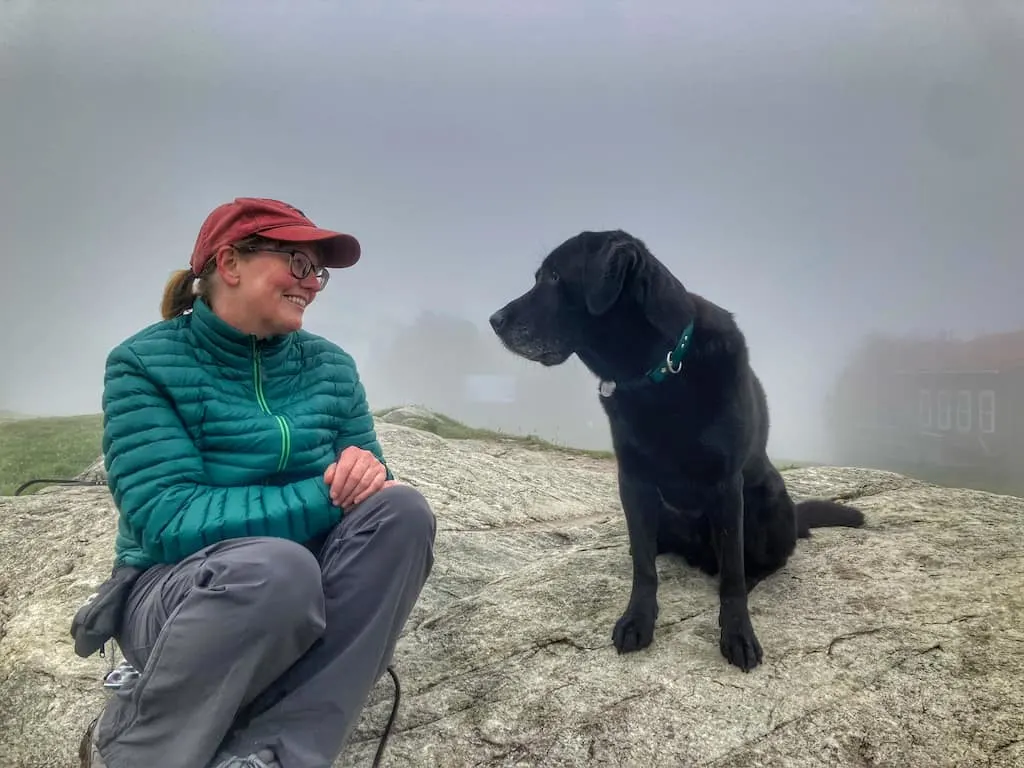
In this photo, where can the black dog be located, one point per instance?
(689, 425)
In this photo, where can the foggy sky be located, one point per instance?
(823, 170)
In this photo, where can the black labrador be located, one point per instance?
(689, 425)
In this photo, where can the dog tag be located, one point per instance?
(607, 388)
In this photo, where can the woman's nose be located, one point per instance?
(310, 281)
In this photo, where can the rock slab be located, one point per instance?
(900, 644)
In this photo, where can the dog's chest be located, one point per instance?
(662, 426)
(680, 505)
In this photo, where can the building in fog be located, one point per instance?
(458, 368)
(939, 403)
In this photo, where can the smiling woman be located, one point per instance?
(265, 559)
(244, 236)
(283, 279)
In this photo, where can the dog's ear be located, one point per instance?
(665, 302)
(604, 273)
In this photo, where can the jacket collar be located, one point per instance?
(230, 346)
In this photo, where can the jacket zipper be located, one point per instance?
(257, 378)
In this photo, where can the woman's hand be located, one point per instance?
(354, 477)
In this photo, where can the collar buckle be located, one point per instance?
(658, 373)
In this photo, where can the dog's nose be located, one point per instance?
(498, 320)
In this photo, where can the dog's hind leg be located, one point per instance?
(753, 581)
(770, 528)
(641, 504)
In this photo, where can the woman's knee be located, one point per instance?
(410, 513)
(276, 582)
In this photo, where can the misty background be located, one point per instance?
(823, 170)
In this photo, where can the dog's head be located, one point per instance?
(601, 295)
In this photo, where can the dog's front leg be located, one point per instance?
(641, 504)
(738, 642)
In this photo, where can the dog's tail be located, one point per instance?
(824, 513)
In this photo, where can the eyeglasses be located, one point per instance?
(298, 262)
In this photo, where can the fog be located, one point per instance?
(823, 170)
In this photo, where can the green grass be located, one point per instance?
(450, 429)
(55, 447)
(447, 427)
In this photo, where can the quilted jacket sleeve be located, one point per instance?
(156, 477)
(358, 429)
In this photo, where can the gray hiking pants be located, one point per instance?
(257, 643)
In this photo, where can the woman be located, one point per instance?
(278, 560)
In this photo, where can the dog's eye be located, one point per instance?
(546, 277)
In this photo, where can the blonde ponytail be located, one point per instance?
(183, 288)
(178, 294)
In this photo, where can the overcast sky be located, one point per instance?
(823, 170)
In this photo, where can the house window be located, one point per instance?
(963, 410)
(987, 411)
(944, 406)
(924, 408)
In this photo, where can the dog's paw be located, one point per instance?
(633, 631)
(739, 644)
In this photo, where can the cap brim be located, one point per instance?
(339, 250)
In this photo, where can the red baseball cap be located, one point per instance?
(245, 216)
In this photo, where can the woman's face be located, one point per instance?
(265, 297)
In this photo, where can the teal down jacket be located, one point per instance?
(211, 434)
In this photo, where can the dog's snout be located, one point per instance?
(498, 320)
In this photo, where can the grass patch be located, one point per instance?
(451, 429)
(56, 447)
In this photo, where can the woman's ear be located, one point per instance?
(228, 265)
